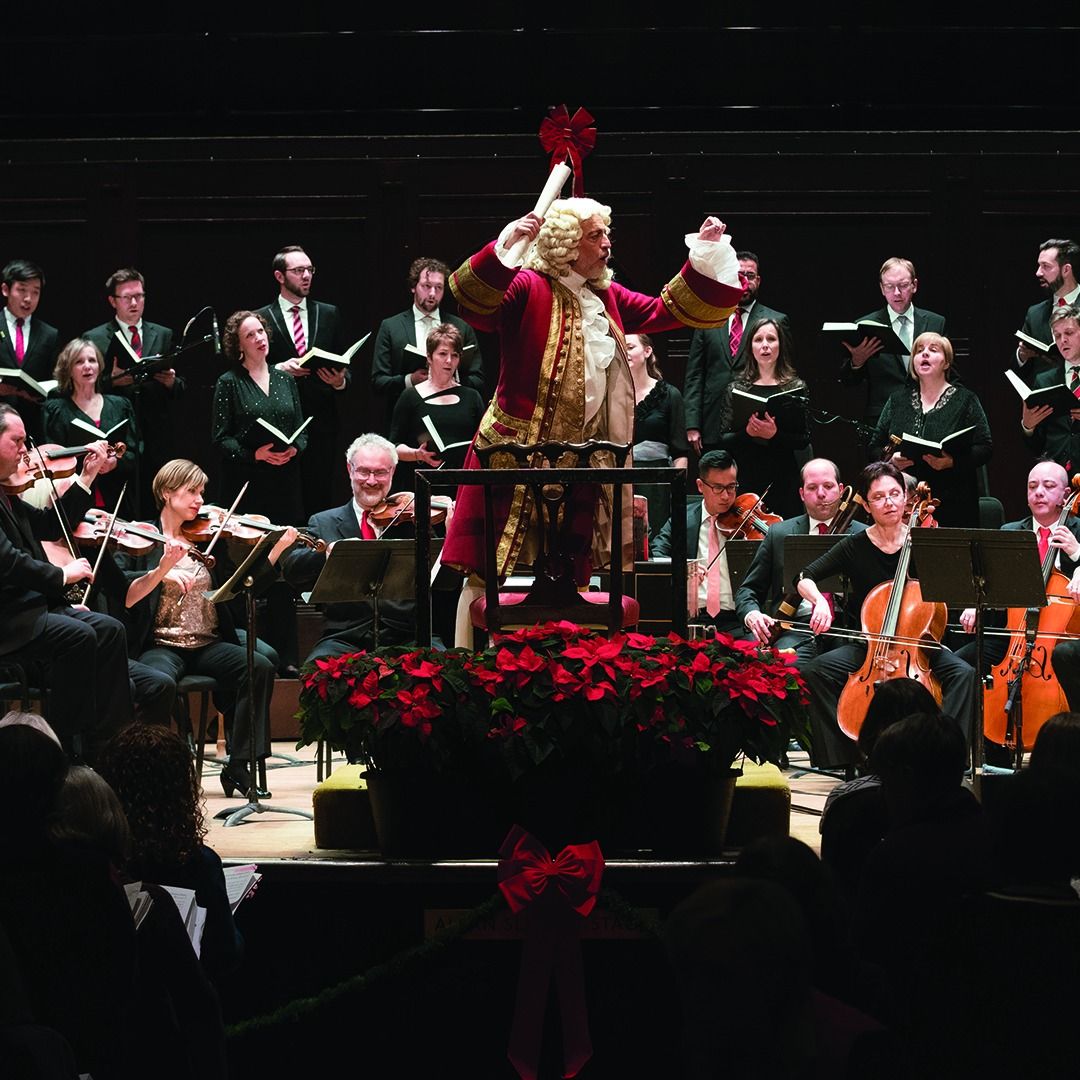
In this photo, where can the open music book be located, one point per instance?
(787, 407)
(914, 447)
(853, 334)
(317, 358)
(1035, 343)
(1059, 395)
(96, 431)
(14, 375)
(281, 440)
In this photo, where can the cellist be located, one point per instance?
(1047, 489)
(868, 559)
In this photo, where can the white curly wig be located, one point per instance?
(557, 245)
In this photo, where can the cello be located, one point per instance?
(900, 627)
(1027, 669)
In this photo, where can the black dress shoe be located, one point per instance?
(236, 776)
(289, 671)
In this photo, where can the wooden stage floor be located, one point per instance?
(279, 836)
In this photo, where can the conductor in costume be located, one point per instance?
(298, 324)
(564, 376)
(84, 651)
(718, 355)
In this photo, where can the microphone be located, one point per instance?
(217, 336)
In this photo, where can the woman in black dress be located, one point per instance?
(452, 409)
(933, 408)
(250, 392)
(80, 409)
(770, 448)
(659, 426)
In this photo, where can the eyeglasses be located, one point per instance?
(750, 275)
(375, 474)
(131, 298)
(301, 270)
(882, 497)
(899, 286)
(721, 489)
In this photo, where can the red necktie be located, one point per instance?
(20, 341)
(822, 529)
(712, 591)
(1044, 542)
(366, 531)
(136, 341)
(1061, 301)
(735, 333)
(298, 331)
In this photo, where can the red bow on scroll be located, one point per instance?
(555, 894)
(564, 136)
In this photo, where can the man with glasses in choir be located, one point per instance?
(885, 373)
(300, 323)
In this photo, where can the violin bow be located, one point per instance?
(104, 543)
(58, 506)
(227, 518)
(724, 539)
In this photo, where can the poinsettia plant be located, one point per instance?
(393, 708)
(559, 691)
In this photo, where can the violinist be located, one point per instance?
(84, 652)
(718, 483)
(176, 630)
(869, 558)
(763, 587)
(81, 406)
(1047, 489)
(370, 461)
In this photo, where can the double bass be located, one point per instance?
(900, 628)
(1027, 671)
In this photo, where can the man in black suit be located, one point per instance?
(25, 341)
(716, 356)
(718, 483)
(125, 290)
(1047, 489)
(371, 461)
(885, 373)
(85, 652)
(300, 323)
(401, 344)
(1056, 276)
(1058, 437)
(764, 585)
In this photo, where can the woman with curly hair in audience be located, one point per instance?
(153, 774)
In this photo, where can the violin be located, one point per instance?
(1027, 669)
(895, 620)
(747, 519)
(245, 528)
(60, 463)
(400, 506)
(135, 538)
(846, 507)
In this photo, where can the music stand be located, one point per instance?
(802, 549)
(369, 570)
(243, 582)
(980, 568)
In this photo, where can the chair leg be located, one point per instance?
(200, 748)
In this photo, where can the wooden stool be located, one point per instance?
(204, 686)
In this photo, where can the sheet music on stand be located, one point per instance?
(242, 583)
(801, 549)
(374, 571)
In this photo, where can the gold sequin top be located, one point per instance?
(185, 619)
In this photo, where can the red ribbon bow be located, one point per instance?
(564, 136)
(558, 892)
